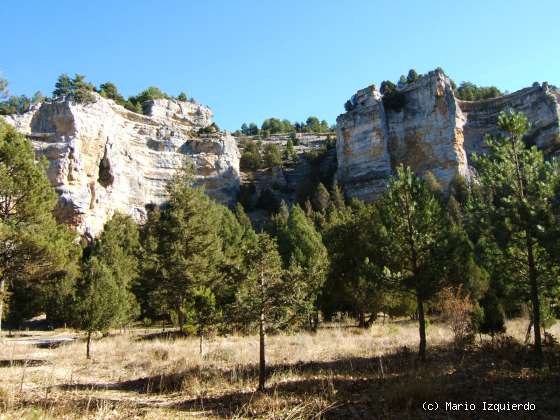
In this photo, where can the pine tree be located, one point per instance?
(299, 243)
(63, 86)
(263, 297)
(118, 248)
(189, 247)
(97, 302)
(203, 313)
(321, 198)
(36, 253)
(417, 227)
(519, 187)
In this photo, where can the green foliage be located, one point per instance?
(290, 155)
(203, 314)
(272, 155)
(36, 253)
(393, 99)
(189, 247)
(210, 129)
(182, 97)
(96, 306)
(15, 105)
(511, 214)
(276, 126)
(263, 289)
(138, 103)
(490, 317)
(118, 248)
(468, 91)
(80, 90)
(251, 158)
(109, 90)
(302, 248)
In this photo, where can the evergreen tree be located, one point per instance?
(203, 313)
(97, 302)
(182, 97)
(109, 90)
(189, 244)
(145, 289)
(321, 198)
(118, 248)
(300, 244)
(519, 186)
(272, 155)
(263, 297)
(417, 228)
(63, 86)
(36, 253)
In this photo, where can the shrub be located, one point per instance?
(456, 309)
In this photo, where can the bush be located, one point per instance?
(393, 99)
(272, 155)
(251, 158)
(457, 309)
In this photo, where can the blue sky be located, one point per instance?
(249, 60)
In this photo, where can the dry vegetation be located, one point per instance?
(340, 372)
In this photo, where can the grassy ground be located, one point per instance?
(339, 372)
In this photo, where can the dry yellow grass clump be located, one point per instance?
(133, 375)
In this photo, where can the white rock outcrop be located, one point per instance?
(430, 130)
(104, 158)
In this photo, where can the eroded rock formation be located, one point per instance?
(430, 130)
(104, 158)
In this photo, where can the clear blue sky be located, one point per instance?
(250, 60)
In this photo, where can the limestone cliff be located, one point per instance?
(431, 130)
(104, 158)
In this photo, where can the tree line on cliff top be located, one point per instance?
(493, 242)
(81, 91)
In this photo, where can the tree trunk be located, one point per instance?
(422, 329)
(201, 338)
(88, 345)
(361, 320)
(534, 297)
(2, 285)
(262, 331)
(180, 318)
(528, 333)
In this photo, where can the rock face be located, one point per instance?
(104, 158)
(430, 130)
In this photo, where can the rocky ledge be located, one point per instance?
(104, 158)
(430, 130)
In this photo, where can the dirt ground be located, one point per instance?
(338, 372)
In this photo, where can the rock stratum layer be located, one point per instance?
(431, 130)
(105, 159)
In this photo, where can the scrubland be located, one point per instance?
(338, 372)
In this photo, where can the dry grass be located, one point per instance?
(339, 371)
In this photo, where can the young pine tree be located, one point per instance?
(416, 225)
(519, 185)
(263, 297)
(97, 301)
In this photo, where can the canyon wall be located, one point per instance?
(104, 158)
(430, 130)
